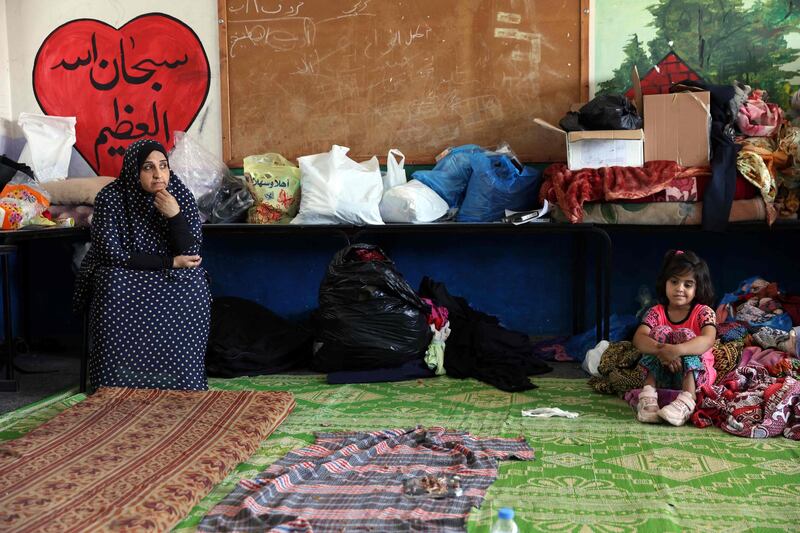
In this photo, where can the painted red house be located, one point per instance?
(669, 70)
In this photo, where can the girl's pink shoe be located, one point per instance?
(679, 411)
(647, 408)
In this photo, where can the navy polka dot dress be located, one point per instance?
(148, 328)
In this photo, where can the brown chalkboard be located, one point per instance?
(418, 75)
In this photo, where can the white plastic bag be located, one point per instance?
(412, 202)
(592, 360)
(49, 145)
(198, 168)
(395, 173)
(335, 189)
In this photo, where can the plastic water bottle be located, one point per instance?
(505, 522)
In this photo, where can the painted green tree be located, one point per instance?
(635, 55)
(722, 41)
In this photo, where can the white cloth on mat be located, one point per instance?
(547, 412)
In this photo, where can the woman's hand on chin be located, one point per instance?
(166, 203)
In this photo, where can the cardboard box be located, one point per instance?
(601, 148)
(677, 128)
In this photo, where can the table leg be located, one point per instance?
(25, 304)
(603, 283)
(607, 285)
(9, 384)
(599, 318)
(579, 284)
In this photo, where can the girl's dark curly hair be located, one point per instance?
(678, 262)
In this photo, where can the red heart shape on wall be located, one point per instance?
(146, 79)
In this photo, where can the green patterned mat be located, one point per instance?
(600, 472)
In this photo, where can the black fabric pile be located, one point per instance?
(479, 347)
(718, 197)
(248, 339)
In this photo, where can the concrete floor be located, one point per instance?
(565, 370)
(61, 370)
(42, 374)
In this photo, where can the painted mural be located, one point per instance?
(756, 42)
(148, 78)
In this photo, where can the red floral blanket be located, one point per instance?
(570, 189)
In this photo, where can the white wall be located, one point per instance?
(5, 86)
(29, 22)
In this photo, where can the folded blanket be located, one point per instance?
(571, 189)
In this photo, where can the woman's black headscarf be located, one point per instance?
(126, 222)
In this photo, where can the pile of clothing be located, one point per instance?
(754, 172)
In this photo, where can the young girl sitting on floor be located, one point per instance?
(676, 337)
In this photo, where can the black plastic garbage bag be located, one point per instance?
(369, 316)
(605, 112)
(247, 339)
(610, 112)
(571, 122)
(9, 168)
(229, 203)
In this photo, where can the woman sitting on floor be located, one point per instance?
(148, 298)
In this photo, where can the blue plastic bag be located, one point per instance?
(450, 176)
(496, 185)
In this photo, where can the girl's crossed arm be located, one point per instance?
(669, 353)
(696, 346)
(643, 342)
(701, 343)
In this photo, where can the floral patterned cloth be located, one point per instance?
(751, 403)
(19, 204)
(619, 370)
